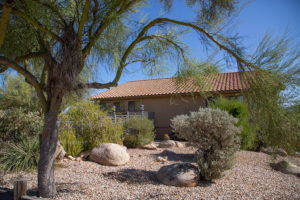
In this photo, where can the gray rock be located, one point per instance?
(277, 151)
(287, 168)
(151, 146)
(59, 152)
(179, 144)
(179, 174)
(109, 154)
(167, 144)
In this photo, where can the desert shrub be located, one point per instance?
(91, 125)
(20, 156)
(214, 133)
(15, 123)
(240, 111)
(139, 131)
(72, 145)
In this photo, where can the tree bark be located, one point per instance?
(46, 183)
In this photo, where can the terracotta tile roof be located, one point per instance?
(220, 83)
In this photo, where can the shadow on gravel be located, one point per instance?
(6, 193)
(172, 156)
(66, 188)
(133, 176)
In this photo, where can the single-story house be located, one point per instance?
(164, 98)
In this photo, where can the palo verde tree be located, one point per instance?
(52, 42)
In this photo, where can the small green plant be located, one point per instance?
(15, 123)
(72, 145)
(214, 133)
(139, 131)
(90, 125)
(240, 111)
(20, 156)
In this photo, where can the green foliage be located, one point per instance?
(17, 93)
(139, 131)
(240, 111)
(20, 156)
(17, 122)
(91, 125)
(214, 133)
(72, 145)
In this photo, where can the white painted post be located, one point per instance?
(142, 109)
(115, 114)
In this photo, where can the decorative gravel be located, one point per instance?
(250, 178)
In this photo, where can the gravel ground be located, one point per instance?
(250, 178)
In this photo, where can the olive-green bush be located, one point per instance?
(72, 145)
(139, 131)
(240, 111)
(90, 125)
(214, 133)
(20, 156)
(15, 123)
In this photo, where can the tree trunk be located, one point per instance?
(62, 78)
(46, 183)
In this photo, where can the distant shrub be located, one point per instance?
(238, 110)
(215, 135)
(20, 156)
(15, 123)
(139, 131)
(72, 145)
(91, 125)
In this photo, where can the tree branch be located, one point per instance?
(47, 5)
(95, 11)
(34, 23)
(4, 19)
(83, 18)
(30, 56)
(209, 36)
(95, 85)
(28, 76)
(3, 69)
(104, 24)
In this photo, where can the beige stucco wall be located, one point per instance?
(165, 108)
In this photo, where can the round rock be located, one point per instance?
(167, 144)
(109, 154)
(179, 174)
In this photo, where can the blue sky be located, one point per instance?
(255, 19)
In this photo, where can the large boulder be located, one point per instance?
(109, 154)
(59, 152)
(179, 174)
(167, 144)
(287, 168)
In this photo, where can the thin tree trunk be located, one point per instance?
(46, 183)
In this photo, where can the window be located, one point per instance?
(133, 106)
(120, 106)
(239, 98)
(106, 106)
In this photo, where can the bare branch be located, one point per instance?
(95, 85)
(28, 76)
(83, 18)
